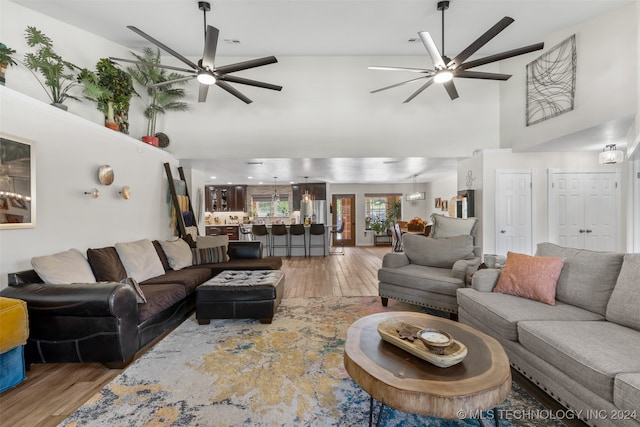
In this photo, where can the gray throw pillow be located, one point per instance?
(445, 226)
(441, 252)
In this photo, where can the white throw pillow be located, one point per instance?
(446, 226)
(178, 253)
(63, 268)
(140, 259)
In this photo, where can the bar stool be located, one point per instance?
(279, 231)
(259, 231)
(339, 230)
(245, 232)
(297, 230)
(317, 230)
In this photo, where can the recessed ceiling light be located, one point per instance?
(291, 182)
(229, 183)
(249, 177)
(260, 183)
(212, 177)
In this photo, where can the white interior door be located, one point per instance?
(513, 212)
(584, 210)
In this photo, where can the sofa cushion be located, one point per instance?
(212, 241)
(624, 304)
(163, 257)
(63, 268)
(587, 278)
(583, 350)
(159, 298)
(440, 252)
(190, 278)
(106, 264)
(502, 312)
(433, 279)
(532, 277)
(140, 259)
(445, 226)
(178, 253)
(135, 287)
(208, 255)
(626, 392)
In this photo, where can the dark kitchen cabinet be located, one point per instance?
(317, 190)
(225, 198)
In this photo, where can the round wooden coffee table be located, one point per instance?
(407, 383)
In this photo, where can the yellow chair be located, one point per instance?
(14, 331)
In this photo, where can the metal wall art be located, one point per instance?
(17, 183)
(551, 82)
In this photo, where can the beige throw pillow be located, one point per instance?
(178, 253)
(140, 259)
(63, 268)
(445, 226)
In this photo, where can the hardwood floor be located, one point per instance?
(54, 391)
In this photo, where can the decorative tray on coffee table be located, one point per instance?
(405, 336)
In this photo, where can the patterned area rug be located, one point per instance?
(243, 373)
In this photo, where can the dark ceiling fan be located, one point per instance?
(205, 70)
(446, 69)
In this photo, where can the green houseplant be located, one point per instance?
(111, 88)
(6, 60)
(160, 99)
(60, 76)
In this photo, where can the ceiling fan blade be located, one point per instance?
(398, 84)
(422, 88)
(169, 82)
(432, 50)
(202, 92)
(481, 41)
(451, 89)
(150, 64)
(233, 91)
(249, 82)
(413, 70)
(210, 46)
(501, 56)
(252, 63)
(480, 75)
(162, 46)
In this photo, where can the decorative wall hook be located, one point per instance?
(125, 192)
(93, 193)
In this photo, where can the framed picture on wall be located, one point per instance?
(17, 183)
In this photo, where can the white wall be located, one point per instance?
(69, 150)
(485, 164)
(606, 81)
(445, 189)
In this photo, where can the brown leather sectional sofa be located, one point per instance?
(102, 321)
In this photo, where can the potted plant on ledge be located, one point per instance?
(160, 98)
(111, 88)
(6, 60)
(60, 76)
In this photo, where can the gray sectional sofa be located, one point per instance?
(584, 351)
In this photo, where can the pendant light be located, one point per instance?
(610, 155)
(306, 197)
(416, 195)
(276, 197)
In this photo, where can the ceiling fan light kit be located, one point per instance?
(205, 71)
(445, 69)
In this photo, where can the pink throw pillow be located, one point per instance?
(532, 277)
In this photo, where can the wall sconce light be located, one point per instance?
(125, 192)
(610, 155)
(93, 193)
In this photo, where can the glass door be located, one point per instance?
(344, 211)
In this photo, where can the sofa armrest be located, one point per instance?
(395, 260)
(463, 267)
(77, 300)
(244, 249)
(485, 280)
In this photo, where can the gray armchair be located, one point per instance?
(429, 271)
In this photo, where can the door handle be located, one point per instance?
(503, 231)
(583, 231)
(589, 231)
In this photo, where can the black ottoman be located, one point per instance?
(239, 295)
